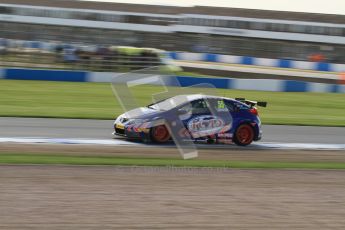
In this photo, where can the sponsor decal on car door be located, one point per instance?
(205, 125)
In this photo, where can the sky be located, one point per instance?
(314, 6)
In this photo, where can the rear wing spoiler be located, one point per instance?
(252, 103)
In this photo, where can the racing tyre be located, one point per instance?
(244, 135)
(160, 134)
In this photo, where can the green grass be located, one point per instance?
(96, 101)
(17, 158)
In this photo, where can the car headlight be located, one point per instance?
(118, 119)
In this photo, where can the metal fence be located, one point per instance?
(87, 62)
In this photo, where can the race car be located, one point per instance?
(203, 118)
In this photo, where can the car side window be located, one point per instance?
(217, 105)
(199, 107)
(202, 106)
(221, 106)
(230, 105)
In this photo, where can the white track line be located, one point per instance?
(305, 146)
(119, 142)
(30, 140)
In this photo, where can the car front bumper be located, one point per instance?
(130, 131)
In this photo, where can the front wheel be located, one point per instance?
(160, 134)
(244, 135)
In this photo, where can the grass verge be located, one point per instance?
(17, 158)
(96, 101)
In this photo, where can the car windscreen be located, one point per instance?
(169, 103)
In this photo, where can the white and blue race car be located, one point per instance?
(202, 118)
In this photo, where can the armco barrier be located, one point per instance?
(45, 75)
(184, 81)
(2, 73)
(246, 60)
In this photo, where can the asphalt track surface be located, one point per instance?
(257, 72)
(102, 129)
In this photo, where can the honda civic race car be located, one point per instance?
(202, 118)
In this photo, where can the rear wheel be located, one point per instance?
(160, 134)
(244, 135)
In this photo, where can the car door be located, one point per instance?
(193, 111)
(200, 121)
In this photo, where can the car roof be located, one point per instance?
(192, 97)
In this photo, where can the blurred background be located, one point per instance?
(58, 57)
(80, 34)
